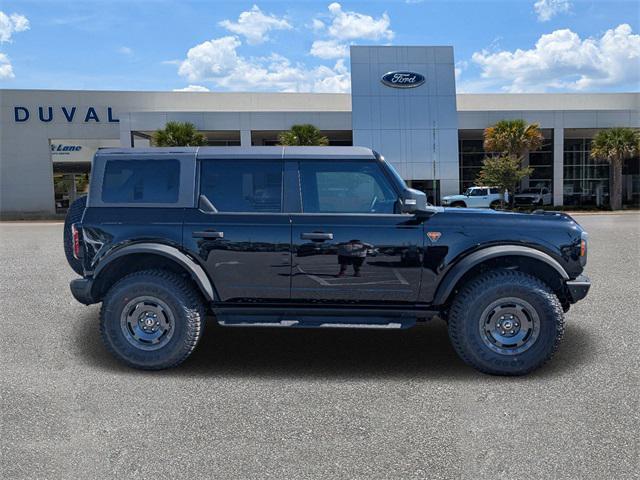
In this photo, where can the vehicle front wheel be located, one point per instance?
(152, 319)
(458, 204)
(506, 322)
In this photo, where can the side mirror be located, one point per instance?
(412, 201)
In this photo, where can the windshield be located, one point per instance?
(531, 190)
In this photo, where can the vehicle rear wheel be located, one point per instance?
(74, 215)
(495, 204)
(152, 319)
(458, 204)
(506, 322)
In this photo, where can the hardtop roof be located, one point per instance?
(309, 153)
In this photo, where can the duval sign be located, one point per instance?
(68, 114)
(402, 79)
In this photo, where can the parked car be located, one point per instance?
(324, 237)
(475, 197)
(537, 196)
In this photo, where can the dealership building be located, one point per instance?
(413, 117)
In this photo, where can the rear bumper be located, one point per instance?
(578, 288)
(81, 290)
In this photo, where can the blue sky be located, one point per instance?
(500, 46)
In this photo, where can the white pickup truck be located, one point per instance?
(475, 197)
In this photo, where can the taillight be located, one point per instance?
(76, 241)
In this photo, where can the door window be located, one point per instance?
(477, 192)
(345, 187)
(242, 185)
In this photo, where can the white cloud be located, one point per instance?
(218, 62)
(210, 58)
(562, 60)
(125, 51)
(254, 25)
(192, 88)
(353, 25)
(345, 26)
(10, 24)
(329, 49)
(547, 9)
(317, 25)
(460, 66)
(6, 70)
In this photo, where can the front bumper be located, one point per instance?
(81, 290)
(578, 288)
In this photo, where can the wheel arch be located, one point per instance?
(527, 259)
(144, 256)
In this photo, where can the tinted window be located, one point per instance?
(242, 185)
(477, 192)
(345, 187)
(495, 191)
(141, 181)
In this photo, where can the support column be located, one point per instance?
(558, 166)
(126, 140)
(245, 138)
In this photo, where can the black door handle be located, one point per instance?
(316, 236)
(208, 234)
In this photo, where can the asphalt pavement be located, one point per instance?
(269, 403)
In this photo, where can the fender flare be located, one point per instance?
(452, 277)
(196, 271)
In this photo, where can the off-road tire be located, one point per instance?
(181, 298)
(74, 215)
(477, 295)
(494, 205)
(459, 205)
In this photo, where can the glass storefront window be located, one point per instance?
(586, 181)
(472, 154)
(542, 163)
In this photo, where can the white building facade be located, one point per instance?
(403, 104)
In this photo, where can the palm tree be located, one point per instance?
(510, 141)
(513, 137)
(305, 135)
(178, 134)
(615, 145)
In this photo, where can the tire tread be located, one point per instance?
(194, 313)
(477, 286)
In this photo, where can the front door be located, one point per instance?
(479, 197)
(240, 234)
(348, 244)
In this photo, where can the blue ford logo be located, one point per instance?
(402, 79)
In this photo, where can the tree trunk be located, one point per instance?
(615, 196)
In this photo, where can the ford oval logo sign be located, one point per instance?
(402, 79)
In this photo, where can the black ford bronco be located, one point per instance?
(311, 237)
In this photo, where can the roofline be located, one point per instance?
(302, 153)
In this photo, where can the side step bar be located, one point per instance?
(315, 318)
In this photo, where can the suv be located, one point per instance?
(311, 237)
(475, 197)
(537, 196)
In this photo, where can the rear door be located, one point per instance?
(240, 233)
(348, 243)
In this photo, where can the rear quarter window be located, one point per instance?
(141, 181)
